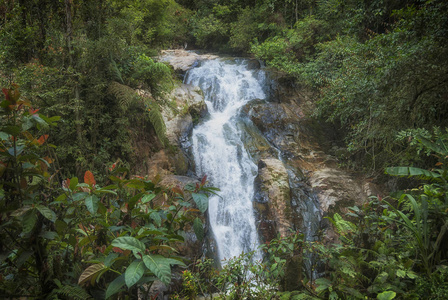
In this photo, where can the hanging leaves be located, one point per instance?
(159, 266)
(134, 272)
(198, 229)
(91, 273)
(201, 201)
(115, 286)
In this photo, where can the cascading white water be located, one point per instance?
(219, 152)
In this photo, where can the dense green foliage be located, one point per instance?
(83, 61)
(377, 67)
(82, 239)
(390, 248)
(90, 85)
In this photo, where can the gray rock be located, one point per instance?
(273, 200)
(253, 64)
(182, 60)
(186, 103)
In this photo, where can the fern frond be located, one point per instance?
(156, 119)
(343, 226)
(124, 94)
(71, 292)
(116, 73)
(156, 74)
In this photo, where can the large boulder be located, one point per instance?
(182, 60)
(273, 120)
(165, 162)
(186, 105)
(273, 198)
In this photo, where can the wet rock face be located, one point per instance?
(253, 64)
(314, 175)
(333, 185)
(277, 126)
(187, 104)
(272, 200)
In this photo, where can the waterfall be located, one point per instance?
(220, 154)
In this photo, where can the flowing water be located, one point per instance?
(219, 152)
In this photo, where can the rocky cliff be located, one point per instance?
(298, 182)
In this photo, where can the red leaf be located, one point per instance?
(133, 224)
(117, 250)
(33, 111)
(42, 139)
(89, 178)
(204, 180)
(5, 91)
(178, 190)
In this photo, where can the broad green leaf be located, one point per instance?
(322, 284)
(411, 275)
(73, 183)
(23, 257)
(135, 183)
(161, 247)
(147, 198)
(19, 212)
(49, 235)
(91, 272)
(401, 273)
(198, 229)
(133, 200)
(47, 213)
(27, 124)
(105, 191)
(382, 277)
(201, 201)
(115, 286)
(86, 240)
(16, 151)
(411, 171)
(92, 204)
(4, 136)
(439, 147)
(28, 165)
(388, 295)
(61, 198)
(129, 243)
(60, 226)
(12, 130)
(174, 262)
(134, 272)
(158, 265)
(155, 216)
(80, 196)
(109, 260)
(29, 220)
(53, 120)
(40, 121)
